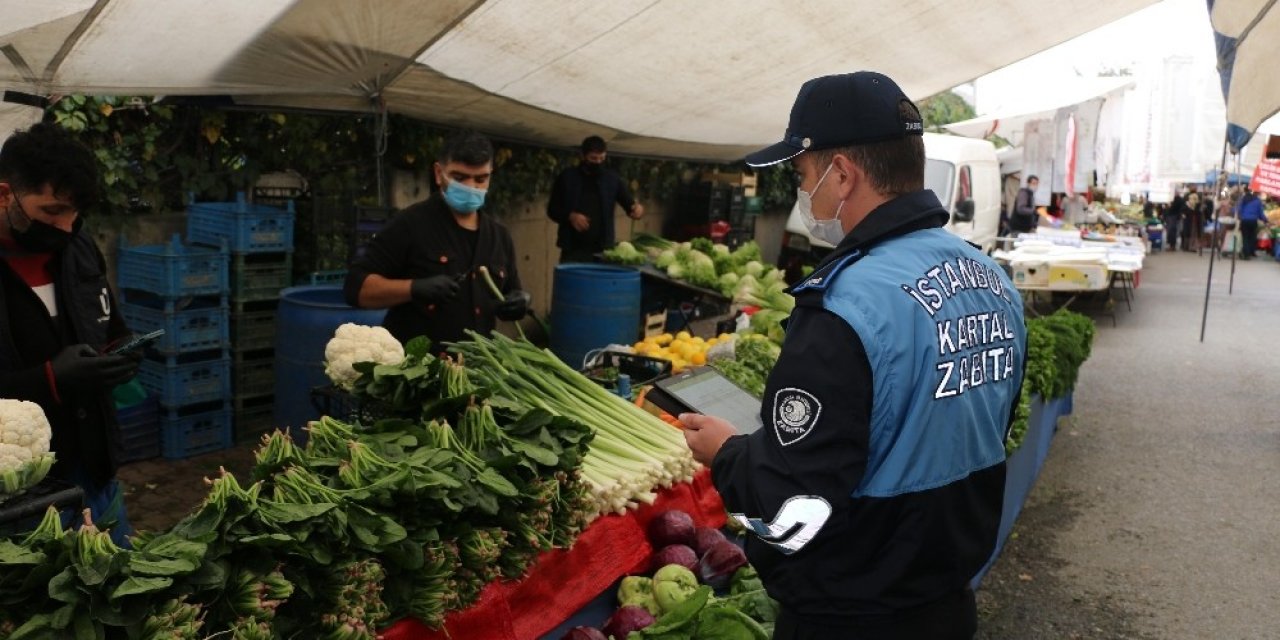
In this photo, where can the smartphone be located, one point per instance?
(133, 343)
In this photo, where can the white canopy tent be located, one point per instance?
(1010, 122)
(679, 78)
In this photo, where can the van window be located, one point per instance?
(965, 191)
(937, 178)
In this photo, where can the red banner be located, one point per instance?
(1266, 178)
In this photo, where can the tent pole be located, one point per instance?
(1213, 252)
(1231, 287)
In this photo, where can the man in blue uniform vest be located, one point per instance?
(874, 488)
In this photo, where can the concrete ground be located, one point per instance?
(1156, 514)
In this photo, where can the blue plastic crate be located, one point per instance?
(172, 270)
(243, 227)
(336, 276)
(201, 325)
(188, 379)
(140, 430)
(195, 430)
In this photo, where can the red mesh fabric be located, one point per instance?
(563, 581)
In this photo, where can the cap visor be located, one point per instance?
(773, 154)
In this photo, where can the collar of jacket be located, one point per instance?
(897, 217)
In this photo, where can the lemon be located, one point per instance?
(699, 359)
(683, 335)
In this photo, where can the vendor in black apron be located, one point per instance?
(425, 265)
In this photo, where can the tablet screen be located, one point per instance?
(706, 391)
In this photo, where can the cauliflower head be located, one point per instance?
(23, 424)
(353, 343)
(24, 446)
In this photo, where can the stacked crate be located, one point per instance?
(183, 290)
(260, 240)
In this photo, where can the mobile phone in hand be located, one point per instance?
(133, 343)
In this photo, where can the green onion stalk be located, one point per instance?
(632, 453)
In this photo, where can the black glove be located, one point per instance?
(434, 290)
(514, 307)
(79, 366)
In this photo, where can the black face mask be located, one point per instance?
(592, 168)
(40, 237)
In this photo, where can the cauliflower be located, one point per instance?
(24, 446)
(353, 343)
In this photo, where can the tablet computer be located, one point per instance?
(704, 390)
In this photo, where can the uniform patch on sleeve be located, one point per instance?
(795, 413)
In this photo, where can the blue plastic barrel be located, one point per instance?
(305, 322)
(592, 306)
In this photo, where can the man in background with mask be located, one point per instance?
(58, 314)
(582, 201)
(424, 266)
(875, 484)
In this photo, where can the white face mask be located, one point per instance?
(829, 231)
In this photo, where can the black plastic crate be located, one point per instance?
(253, 325)
(641, 369)
(260, 276)
(331, 401)
(23, 512)
(252, 418)
(253, 373)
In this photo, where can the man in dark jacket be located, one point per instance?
(582, 201)
(1024, 218)
(875, 483)
(1175, 215)
(426, 265)
(57, 313)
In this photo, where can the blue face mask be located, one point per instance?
(462, 198)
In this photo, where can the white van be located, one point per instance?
(965, 175)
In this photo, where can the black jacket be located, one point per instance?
(85, 432)
(565, 196)
(1024, 211)
(874, 557)
(424, 240)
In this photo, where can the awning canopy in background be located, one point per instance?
(1010, 122)
(678, 78)
(1248, 41)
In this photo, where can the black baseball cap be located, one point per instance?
(840, 111)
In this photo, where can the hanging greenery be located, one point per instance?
(154, 155)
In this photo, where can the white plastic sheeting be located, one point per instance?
(682, 78)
